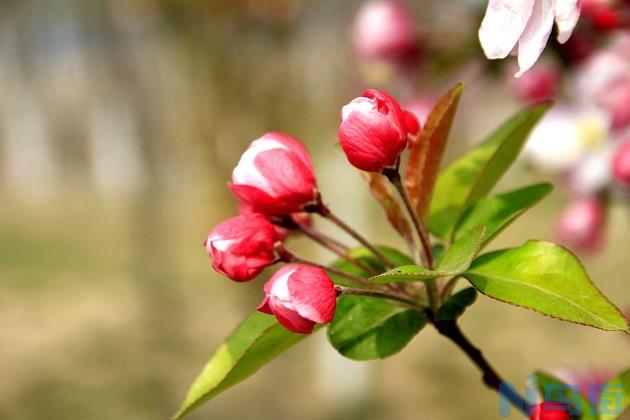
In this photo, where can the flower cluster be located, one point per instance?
(276, 186)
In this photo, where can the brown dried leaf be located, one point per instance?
(426, 151)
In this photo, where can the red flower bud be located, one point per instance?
(242, 246)
(549, 410)
(412, 125)
(621, 164)
(300, 296)
(385, 30)
(373, 131)
(581, 225)
(275, 175)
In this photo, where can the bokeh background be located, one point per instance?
(120, 123)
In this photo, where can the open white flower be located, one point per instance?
(525, 25)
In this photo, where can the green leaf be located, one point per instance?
(499, 211)
(253, 344)
(407, 273)
(454, 262)
(364, 256)
(547, 278)
(425, 152)
(367, 328)
(474, 175)
(455, 305)
(459, 256)
(553, 389)
(614, 399)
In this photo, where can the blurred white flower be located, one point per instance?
(555, 143)
(527, 23)
(593, 173)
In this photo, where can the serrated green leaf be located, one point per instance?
(252, 345)
(498, 211)
(547, 278)
(474, 175)
(364, 256)
(553, 389)
(614, 399)
(406, 273)
(461, 253)
(456, 305)
(425, 153)
(367, 328)
(454, 261)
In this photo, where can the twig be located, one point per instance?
(320, 208)
(323, 241)
(341, 290)
(490, 377)
(393, 175)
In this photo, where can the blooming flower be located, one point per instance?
(384, 30)
(275, 175)
(373, 131)
(300, 296)
(581, 225)
(549, 410)
(526, 26)
(242, 246)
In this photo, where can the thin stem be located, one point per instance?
(448, 287)
(323, 241)
(330, 240)
(490, 377)
(394, 177)
(324, 211)
(345, 274)
(427, 257)
(376, 293)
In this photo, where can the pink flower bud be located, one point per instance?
(581, 225)
(412, 125)
(373, 131)
(621, 164)
(385, 30)
(549, 410)
(540, 83)
(275, 175)
(620, 105)
(300, 296)
(242, 246)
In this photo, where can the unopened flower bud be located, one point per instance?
(385, 30)
(581, 225)
(275, 175)
(242, 246)
(540, 83)
(300, 296)
(549, 410)
(373, 131)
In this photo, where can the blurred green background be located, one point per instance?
(120, 123)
